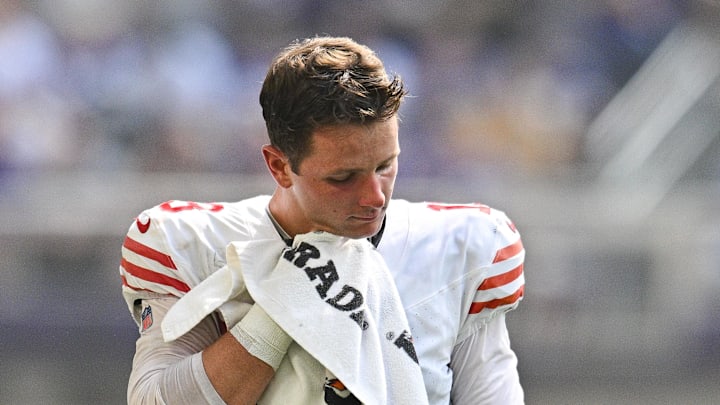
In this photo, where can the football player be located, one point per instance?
(331, 115)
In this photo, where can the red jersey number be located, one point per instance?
(441, 207)
(177, 206)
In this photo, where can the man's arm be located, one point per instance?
(200, 367)
(237, 375)
(485, 367)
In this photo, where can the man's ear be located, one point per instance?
(278, 164)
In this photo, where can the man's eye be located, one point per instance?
(341, 179)
(383, 168)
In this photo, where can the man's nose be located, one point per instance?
(371, 193)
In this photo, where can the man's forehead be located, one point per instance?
(337, 158)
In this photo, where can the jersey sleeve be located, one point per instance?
(503, 285)
(496, 248)
(171, 372)
(485, 368)
(163, 254)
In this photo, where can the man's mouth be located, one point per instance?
(369, 217)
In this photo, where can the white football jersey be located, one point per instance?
(455, 266)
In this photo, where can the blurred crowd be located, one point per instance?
(154, 85)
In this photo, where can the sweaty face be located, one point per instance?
(344, 185)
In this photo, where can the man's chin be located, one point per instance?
(366, 230)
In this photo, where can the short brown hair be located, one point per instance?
(324, 81)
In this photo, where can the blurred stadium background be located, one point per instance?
(594, 124)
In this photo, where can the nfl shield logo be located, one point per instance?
(147, 318)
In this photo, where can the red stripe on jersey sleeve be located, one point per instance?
(149, 252)
(508, 251)
(154, 277)
(492, 304)
(501, 279)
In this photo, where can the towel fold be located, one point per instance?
(334, 296)
(222, 291)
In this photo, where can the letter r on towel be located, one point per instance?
(304, 252)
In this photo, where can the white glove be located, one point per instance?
(262, 337)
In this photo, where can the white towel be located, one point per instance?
(335, 297)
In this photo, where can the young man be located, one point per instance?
(331, 115)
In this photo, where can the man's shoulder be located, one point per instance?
(441, 218)
(473, 231)
(174, 245)
(189, 212)
(180, 217)
(472, 248)
(187, 230)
